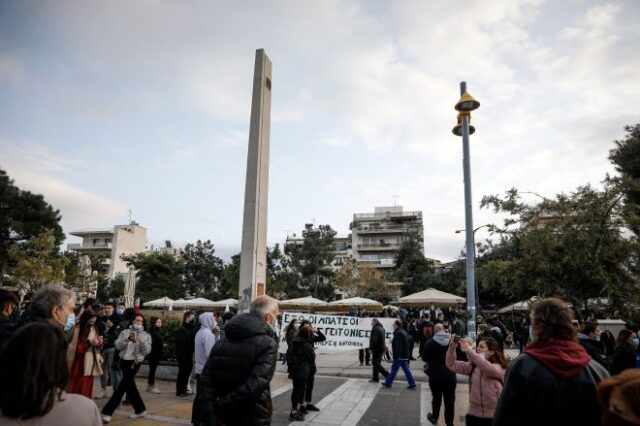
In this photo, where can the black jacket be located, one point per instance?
(157, 344)
(185, 343)
(435, 354)
(234, 385)
(534, 395)
(400, 344)
(377, 339)
(302, 358)
(111, 333)
(623, 358)
(595, 349)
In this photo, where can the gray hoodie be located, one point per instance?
(442, 338)
(205, 339)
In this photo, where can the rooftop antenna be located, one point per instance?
(395, 200)
(130, 215)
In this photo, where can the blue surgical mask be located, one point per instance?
(137, 327)
(71, 322)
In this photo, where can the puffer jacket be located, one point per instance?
(551, 383)
(302, 358)
(486, 380)
(400, 345)
(234, 385)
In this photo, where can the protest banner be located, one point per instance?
(343, 333)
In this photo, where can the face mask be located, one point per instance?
(296, 327)
(71, 321)
(119, 311)
(137, 327)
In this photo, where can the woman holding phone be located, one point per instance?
(485, 368)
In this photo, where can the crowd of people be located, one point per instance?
(567, 373)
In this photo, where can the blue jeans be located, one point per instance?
(397, 363)
(108, 372)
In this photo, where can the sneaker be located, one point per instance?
(411, 387)
(384, 384)
(105, 418)
(153, 389)
(432, 419)
(296, 416)
(138, 415)
(374, 381)
(183, 396)
(311, 407)
(101, 394)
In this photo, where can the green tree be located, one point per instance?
(572, 246)
(158, 275)
(23, 216)
(230, 281)
(626, 159)
(312, 259)
(347, 278)
(84, 281)
(202, 268)
(111, 290)
(413, 269)
(37, 262)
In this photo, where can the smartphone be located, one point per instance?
(456, 339)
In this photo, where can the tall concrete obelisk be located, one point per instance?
(253, 259)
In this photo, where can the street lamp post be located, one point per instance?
(465, 105)
(475, 284)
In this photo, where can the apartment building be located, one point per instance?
(112, 243)
(376, 237)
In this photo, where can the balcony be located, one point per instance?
(380, 263)
(378, 246)
(385, 229)
(93, 247)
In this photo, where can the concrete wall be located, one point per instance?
(127, 239)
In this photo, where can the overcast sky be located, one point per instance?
(144, 105)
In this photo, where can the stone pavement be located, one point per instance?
(341, 391)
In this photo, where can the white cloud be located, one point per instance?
(33, 168)
(366, 90)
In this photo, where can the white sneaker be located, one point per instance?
(154, 390)
(135, 416)
(105, 418)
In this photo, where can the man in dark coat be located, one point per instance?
(555, 381)
(400, 349)
(442, 381)
(589, 339)
(185, 346)
(378, 346)
(234, 386)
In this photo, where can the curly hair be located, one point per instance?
(551, 320)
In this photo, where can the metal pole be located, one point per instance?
(470, 246)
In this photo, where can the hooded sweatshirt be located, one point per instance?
(205, 339)
(565, 358)
(442, 337)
